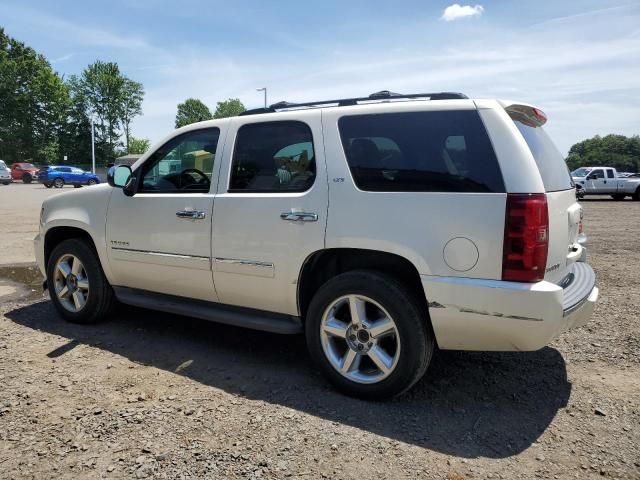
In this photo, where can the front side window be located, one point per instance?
(439, 151)
(273, 157)
(596, 174)
(182, 165)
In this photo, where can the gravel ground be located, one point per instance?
(150, 395)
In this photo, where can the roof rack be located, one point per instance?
(343, 102)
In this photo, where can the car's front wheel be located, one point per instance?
(77, 285)
(368, 334)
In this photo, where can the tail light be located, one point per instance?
(526, 238)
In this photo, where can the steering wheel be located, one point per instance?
(184, 174)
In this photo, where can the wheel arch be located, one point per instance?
(55, 235)
(323, 265)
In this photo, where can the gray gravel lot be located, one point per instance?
(149, 395)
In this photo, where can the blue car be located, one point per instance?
(58, 176)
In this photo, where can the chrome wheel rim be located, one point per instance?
(360, 339)
(71, 283)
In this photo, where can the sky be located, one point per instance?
(578, 60)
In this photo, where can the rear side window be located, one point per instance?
(443, 151)
(553, 169)
(273, 157)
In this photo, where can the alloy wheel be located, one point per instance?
(360, 339)
(71, 283)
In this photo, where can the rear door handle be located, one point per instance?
(299, 216)
(191, 214)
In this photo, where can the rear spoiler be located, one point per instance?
(527, 114)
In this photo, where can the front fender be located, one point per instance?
(84, 209)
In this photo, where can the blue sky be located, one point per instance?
(578, 60)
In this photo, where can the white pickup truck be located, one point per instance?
(605, 181)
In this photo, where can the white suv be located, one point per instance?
(378, 226)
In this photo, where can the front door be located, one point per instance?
(596, 181)
(159, 239)
(270, 211)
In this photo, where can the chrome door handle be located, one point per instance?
(299, 216)
(192, 214)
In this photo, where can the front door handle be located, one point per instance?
(299, 216)
(191, 214)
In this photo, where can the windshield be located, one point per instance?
(580, 172)
(3, 165)
(27, 165)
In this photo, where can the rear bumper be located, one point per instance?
(470, 314)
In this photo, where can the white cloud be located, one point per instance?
(456, 12)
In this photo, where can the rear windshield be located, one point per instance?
(553, 169)
(436, 151)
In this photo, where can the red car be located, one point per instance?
(26, 172)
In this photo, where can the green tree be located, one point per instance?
(190, 111)
(229, 108)
(33, 104)
(131, 105)
(112, 99)
(617, 151)
(138, 145)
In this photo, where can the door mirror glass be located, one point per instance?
(118, 176)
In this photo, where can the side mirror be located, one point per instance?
(118, 176)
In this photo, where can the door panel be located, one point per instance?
(160, 238)
(257, 254)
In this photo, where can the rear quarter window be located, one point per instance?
(553, 169)
(435, 151)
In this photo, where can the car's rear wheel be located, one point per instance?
(58, 183)
(77, 285)
(368, 335)
(91, 182)
(27, 178)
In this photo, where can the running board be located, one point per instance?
(214, 312)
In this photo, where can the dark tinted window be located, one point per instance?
(610, 173)
(553, 169)
(182, 165)
(595, 174)
(444, 151)
(273, 157)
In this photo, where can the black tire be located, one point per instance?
(100, 299)
(91, 182)
(636, 195)
(618, 196)
(58, 182)
(410, 317)
(27, 178)
(48, 185)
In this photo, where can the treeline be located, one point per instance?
(617, 151)
(44, 117)
(193, 110)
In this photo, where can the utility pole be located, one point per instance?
(263, 89)
(93, 148)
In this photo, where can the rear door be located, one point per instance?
(565, 213)
(270, 212)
